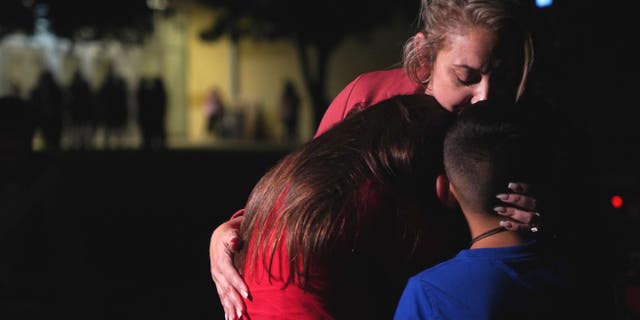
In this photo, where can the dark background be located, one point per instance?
(125, 234)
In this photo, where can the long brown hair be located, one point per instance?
(313, 198)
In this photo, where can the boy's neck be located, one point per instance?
(479, 224)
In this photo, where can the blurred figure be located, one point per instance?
(113, 99)
(47, 99)
(79, 104)
(214, 109)
(152, 108)
(252, 126)
(289, 109)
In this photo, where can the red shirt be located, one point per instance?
(271, 297)
(366, 90)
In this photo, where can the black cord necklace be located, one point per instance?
(485, 234)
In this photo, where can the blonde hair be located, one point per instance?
(442, 17)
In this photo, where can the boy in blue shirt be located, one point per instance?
(503, 274)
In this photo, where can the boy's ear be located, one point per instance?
(445, 192)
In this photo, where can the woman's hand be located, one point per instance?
(520, 208)
(225, 240)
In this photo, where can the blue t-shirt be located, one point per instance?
(516, 282)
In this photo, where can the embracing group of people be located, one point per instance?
(422, 194)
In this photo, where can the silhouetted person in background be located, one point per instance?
(113, 98)
(152, 108)
(47, 99)
(289, 110)
(79, 105)
(214, 109)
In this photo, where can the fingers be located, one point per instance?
(229, 281)
(520, 208)
(231, 289)
(229, 297)
(230, 300)
(520, 216)
(520, 200)
(512, 226)
(518, 187)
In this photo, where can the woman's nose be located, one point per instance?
(481, 91)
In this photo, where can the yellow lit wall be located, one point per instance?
(264, 66)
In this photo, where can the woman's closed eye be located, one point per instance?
(468, 77)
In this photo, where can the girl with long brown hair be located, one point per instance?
(337, 226)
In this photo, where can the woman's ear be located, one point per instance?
(445, 192)
(419, 42)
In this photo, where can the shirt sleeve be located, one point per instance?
(238, 213)
(338, 108)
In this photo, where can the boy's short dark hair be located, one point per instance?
(490, 145)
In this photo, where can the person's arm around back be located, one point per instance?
(225, 240)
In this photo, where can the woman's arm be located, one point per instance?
(225, 240)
